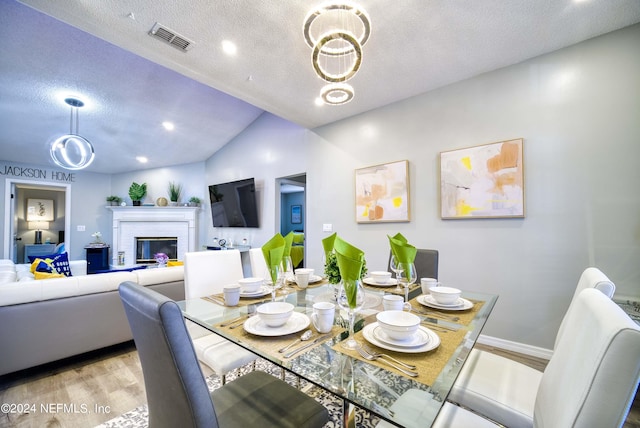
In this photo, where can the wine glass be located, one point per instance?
(407, 277)
(276, 277)
(396, 266)
(287, 273)
(351, 298)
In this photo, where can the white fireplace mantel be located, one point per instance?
(132, 222)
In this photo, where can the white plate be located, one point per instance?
(432, 343)
(312, 279)
(263, 291)
(297, 322)
(428, 300)
(371, 281)
(420, 338)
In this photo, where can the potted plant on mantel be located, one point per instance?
(174, 193)
(114, 200)
(137, 192)
(194, 201)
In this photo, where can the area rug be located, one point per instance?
(138, 417)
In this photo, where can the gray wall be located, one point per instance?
(578, 110)
(88, 192)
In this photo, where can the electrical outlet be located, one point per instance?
(81, 228)
(327, 227)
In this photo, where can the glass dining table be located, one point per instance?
(375, 386)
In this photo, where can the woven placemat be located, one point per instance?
(429, 364)
(465, 317)
(271, 344)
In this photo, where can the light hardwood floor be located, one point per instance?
(87, 391)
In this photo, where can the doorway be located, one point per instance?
(37, 214)
(292, 214)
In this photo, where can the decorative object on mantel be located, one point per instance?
(72, 151)
(485, 181)
(162, 201)
(194, 201)
(137, 192)
(174, 193)
(161, 259)
(114, 201)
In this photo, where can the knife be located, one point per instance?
(303, 347)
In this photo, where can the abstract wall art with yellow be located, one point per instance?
(484, 181)
(382, 193)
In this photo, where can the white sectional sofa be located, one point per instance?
(46, 320)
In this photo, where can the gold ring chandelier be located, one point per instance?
(336, 33)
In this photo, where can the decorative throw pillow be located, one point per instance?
(60, 262)
(42, 265)
(45, 275)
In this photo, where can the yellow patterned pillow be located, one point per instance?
(47, 275)
(42, 265)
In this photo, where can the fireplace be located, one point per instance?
(147, 247)
(159, 223)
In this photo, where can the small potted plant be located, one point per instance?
(332, 271)
(114, 200)
(194, 201)
(174, 193)
(137, 192)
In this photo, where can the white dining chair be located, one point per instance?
(590, 380)
(206, 273)
(503, 389)
(258, 264)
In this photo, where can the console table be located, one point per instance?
(38, 250)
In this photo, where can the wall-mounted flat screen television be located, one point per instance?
(234, 204)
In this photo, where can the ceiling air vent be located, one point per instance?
(171, 37)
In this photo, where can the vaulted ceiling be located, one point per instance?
(132, 82)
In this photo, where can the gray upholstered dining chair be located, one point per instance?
(590, 380)
(503, 389)
(426, 263)
(177, 394)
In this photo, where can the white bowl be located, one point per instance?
(250, 285)
(380, 277)
(445, 295)
(398, 325)
(275, 314)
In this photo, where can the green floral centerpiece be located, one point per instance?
(332, 271)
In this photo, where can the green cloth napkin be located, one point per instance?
(288, 240)
(327, 243)
(402, 250)
(350, 261)
(273, 251)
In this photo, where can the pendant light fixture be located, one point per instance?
(336, 32)
(72, 151)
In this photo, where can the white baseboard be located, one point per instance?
(520, 348)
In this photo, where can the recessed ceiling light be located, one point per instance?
(168, 126)
(142, 159)
(229, 47)
(319, 102)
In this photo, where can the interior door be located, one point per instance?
(13, 225)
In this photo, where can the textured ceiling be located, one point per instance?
(132, 82)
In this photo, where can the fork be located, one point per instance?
(452, 318)
(367, 356)
(388, 357)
